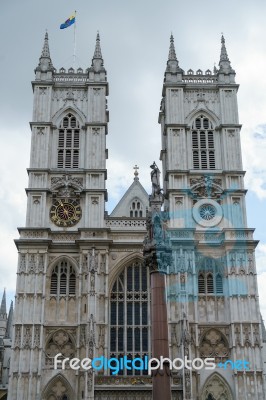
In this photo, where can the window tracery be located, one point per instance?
(63, 280)
(216, 388)
(58, 389)
(129, 315)
(59, 342)
(214, 345)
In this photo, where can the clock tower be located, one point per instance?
(66, 194)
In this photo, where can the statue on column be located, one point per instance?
(155, 179)
(157, 255)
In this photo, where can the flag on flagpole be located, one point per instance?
(70, 21)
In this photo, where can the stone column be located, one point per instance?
(157, 254)
(161, 380)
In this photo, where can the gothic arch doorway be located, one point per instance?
(216, 388)
(58, 389)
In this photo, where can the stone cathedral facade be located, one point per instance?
(82, 287)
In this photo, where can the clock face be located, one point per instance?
(65, 212)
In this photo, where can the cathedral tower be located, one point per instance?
(66, 194)
(212, 284)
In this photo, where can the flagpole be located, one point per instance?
(75, 42)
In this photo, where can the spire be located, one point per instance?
(224, 63)
(45, 50)
(8, 333)
(97, 51)
(172, 54)
(3, 306)
(224, 55)
(97, 61)
(45, 62)
(173, 72)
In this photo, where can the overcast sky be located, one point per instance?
(135, 41)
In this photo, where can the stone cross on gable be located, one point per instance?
(136, 172)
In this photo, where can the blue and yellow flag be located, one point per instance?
(70, 21)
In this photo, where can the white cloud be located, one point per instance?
(254, 151)
(262, 294)
(261, 258)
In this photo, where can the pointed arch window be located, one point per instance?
(210, 288)
(203, 152)
(210, 279)
(216, 388)
(201, 283)
(129, 315)
(210, 284)
(68, 143)
(63, 280)
(219, 284)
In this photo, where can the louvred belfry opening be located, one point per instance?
(68, 143)
(203, 143)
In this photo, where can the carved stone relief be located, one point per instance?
(217, 389)
(66, 185)
(247, 335)
(174, 339)
(91, 336)
(27, 337)
(22, 263)
(60, 342)
(40, 130)
(103, 264)
(101, 337)
(213, 345)
(41, 263)
(82, 335)
(36, 338)
(206, 187)
(17, 342)
(237, 335)
(90, 380)
(32, 263)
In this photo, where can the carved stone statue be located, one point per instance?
(157, 229)
(155, 179)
